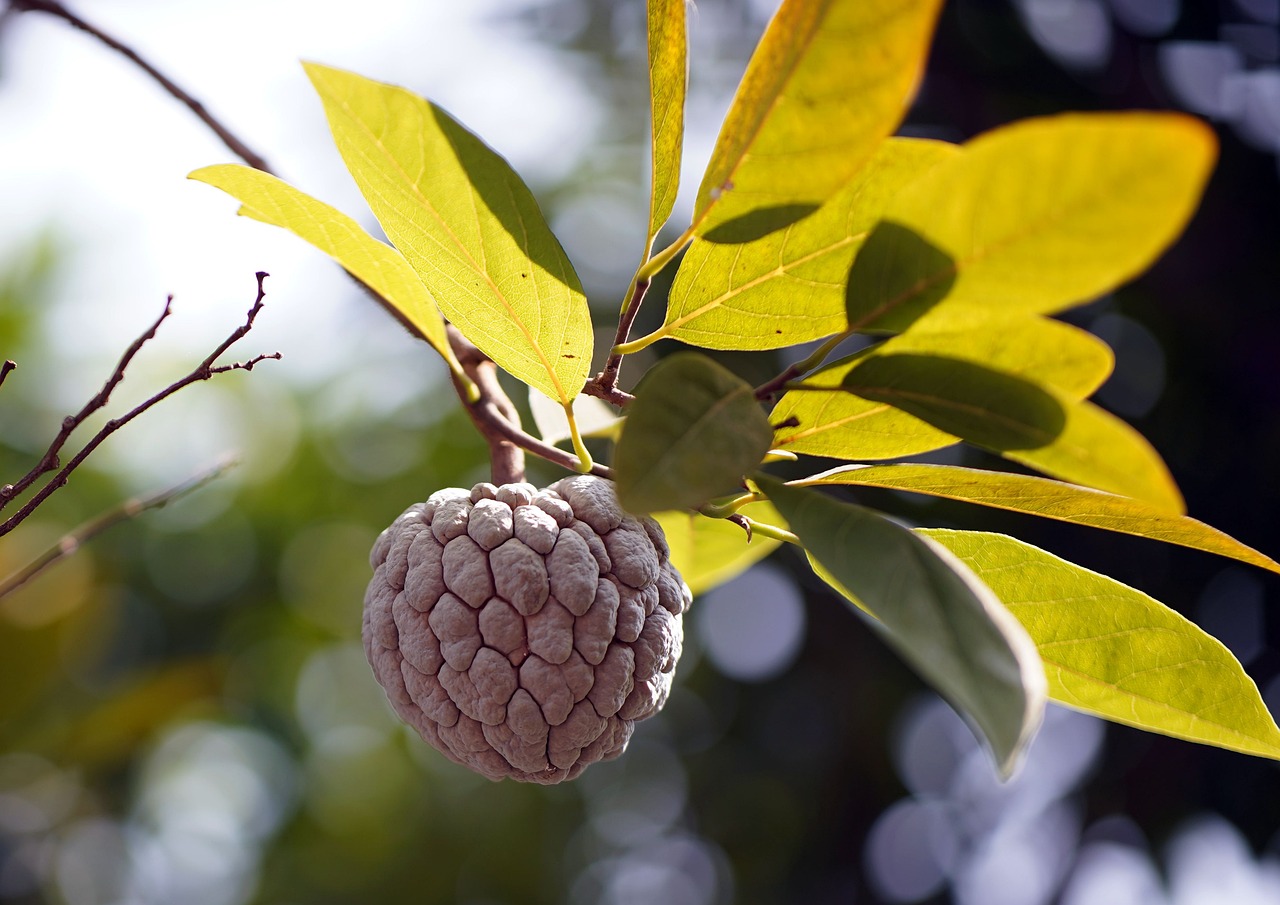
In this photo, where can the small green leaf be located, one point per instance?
(1021, 421)
(379, 266)
(467, 225)
(1114, 652)
(788, 286)
(709, 551)
(939, 617)
(828, 82)
(692, 432)
(1047, 499)
(1036, 216)
(668, 79)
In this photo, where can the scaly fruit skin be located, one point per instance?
(522, 632)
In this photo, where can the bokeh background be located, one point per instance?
(185, 711)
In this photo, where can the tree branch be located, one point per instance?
(605, 384)
(237, 147)
(74, 540)
(5, 369)
(49, 462)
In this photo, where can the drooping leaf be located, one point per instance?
(788, 286)
(1048, 499)
(668, 78)
(1115, 652)
(939, 617)
(1036, 216)
(379, 266)
(692, 432)
(1023, 421)
(710, 551)
(829, 80)
(595, 418)
(467, 225)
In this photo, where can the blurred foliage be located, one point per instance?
(187, 715)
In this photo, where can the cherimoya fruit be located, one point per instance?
(522, 632)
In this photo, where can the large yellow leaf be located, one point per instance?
(844, 426)
(1048, 499)
(709, 551)
(829, 80)
(1115, 652)
(788, 286)
(1036, 216)
(469, 227)
(379, 266)
(668, 79)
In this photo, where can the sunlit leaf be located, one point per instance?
(379, 266)
(1048, 499)
(939, 617)
(469, 227)
(668, 78)
(692, 432)
(595, 418)
(788, 286)
(829, 80)
(710, 551)
(1023, 421)
(1035, 216)
(1115, 652)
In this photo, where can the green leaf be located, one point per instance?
(379, 266)
(709, 551)
(828, 82)
(788, 286)
(1114, 652)
(1036, 216)
(1047, 499)
(668, 79)
(1020, 420)
(692, 432)
(939, 617)
(469, 227)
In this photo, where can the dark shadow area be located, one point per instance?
(985, 407)
(897, 276)
(759, 223)
(508, 198)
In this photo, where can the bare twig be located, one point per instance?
(74, 540)
(605, 384)
(495, 417)
(205, 370)
(5, 369)
(54, 8)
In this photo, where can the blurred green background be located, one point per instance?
(185, 711)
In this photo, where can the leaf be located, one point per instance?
(595, 418)
(668, 80)
(1047, 499)
(788, 286)
(828, 82)
(692, 432)
(467, 225)
(843, 426)
(939, 617)
(1020, 420)
(1036, 216)
(709, 551)
(379, 266)
(1115, 652)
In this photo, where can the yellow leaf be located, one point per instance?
(1036, 216)
(468, 226)
(668, 78)
(828, 82)
(709, 551)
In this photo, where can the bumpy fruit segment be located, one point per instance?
(522, 632)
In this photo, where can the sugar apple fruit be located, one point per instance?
(522, 632)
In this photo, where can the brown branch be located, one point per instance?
(495, 417)
(605, 384)
(5, 369)
(205, 370)
(237, 147)
(74, 540)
